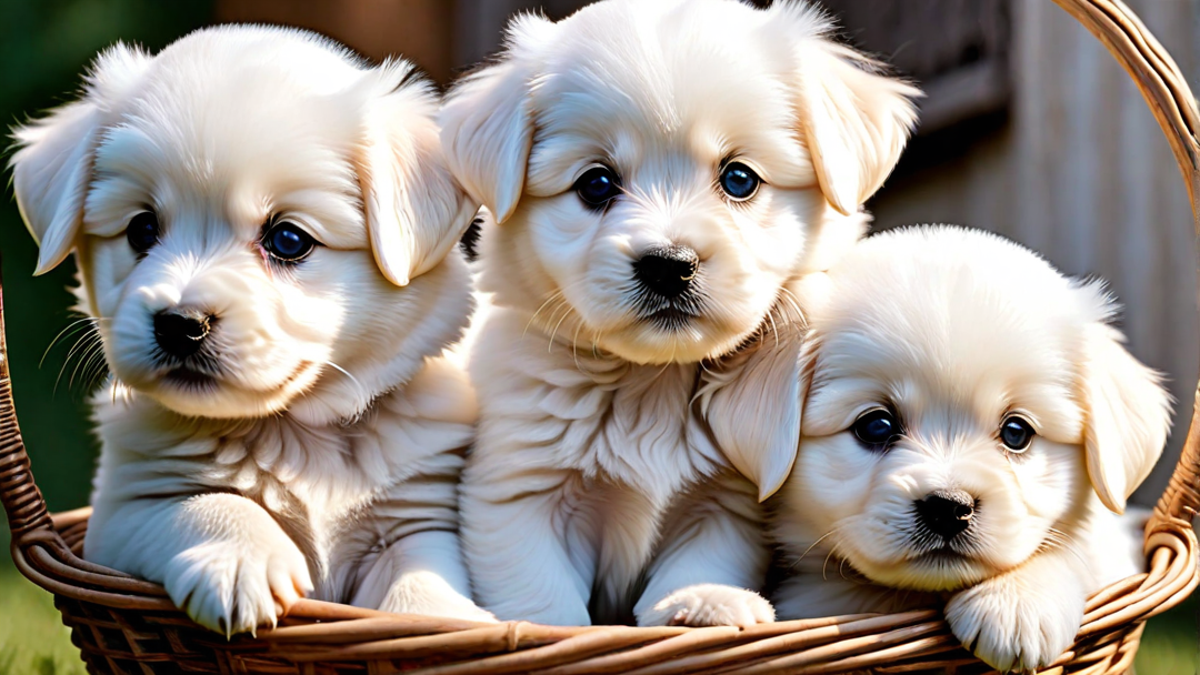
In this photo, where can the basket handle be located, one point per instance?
(23, 501)
(1156, 76)
(1167, 93)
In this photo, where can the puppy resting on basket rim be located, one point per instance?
(265, 234)
(970, 424)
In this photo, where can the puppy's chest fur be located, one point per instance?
(629, 433)
(320, 483)
(644, 435)
(316, 482)
(617, 424)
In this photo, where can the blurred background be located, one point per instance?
(1030, 128)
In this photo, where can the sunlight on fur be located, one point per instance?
(262, 224)
(971, 423)
(659, 173)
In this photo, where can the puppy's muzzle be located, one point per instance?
(181, 334)
(667, 272)
(946, 513)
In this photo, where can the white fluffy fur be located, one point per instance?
(604, 475)
(953, 330)
(322, 457)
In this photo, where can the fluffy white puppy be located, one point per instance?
(659, 171)
(970, 413)
(265, 230)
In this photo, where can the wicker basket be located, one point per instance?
(126, 626)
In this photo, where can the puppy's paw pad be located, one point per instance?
(709, 605)
(235, 591)
(428, 594)
(1013, 631)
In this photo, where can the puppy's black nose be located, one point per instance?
(667, 271)
(181, 335)
(946, 513)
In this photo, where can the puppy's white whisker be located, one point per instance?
(575, 346)
(533, 317)
(788, 309)
(842, 569)
(71, 328)
(554, 333)
(83, 344)
(560, 301)
(97, 369)
(82, 363)
(787, 295)
(666, 364)
(360, 390)
(825, 564)
(596, 338)
(774, 328)
(813, 545)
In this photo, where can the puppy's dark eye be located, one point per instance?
(1016, 433)
(739, 181)
(598, 186)
(142, 232)
(877, 428)
(286, 242)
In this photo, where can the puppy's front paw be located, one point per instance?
(1013, 627)
(709, 605)
(232, 588)
(428, 593)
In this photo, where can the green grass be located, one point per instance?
(33, 640)
(1171, 643)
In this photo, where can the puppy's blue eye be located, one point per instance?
(877, 428)
(142, 232)
(598, 186)
(739, 181)
(1016, 433)
(286, 242)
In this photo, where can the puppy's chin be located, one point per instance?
(660, 342)
(658, 339)
(194, 394)
(941, 570)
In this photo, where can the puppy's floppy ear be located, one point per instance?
(53, 162)
(415, 211)
(1127, 415)
(487, 126)
(855, 120)
(752, 403)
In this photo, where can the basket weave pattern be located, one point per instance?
(125, 626)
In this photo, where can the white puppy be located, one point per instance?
(969, 415)
(265, 232)
(659, 171)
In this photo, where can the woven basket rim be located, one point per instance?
(46, 550)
